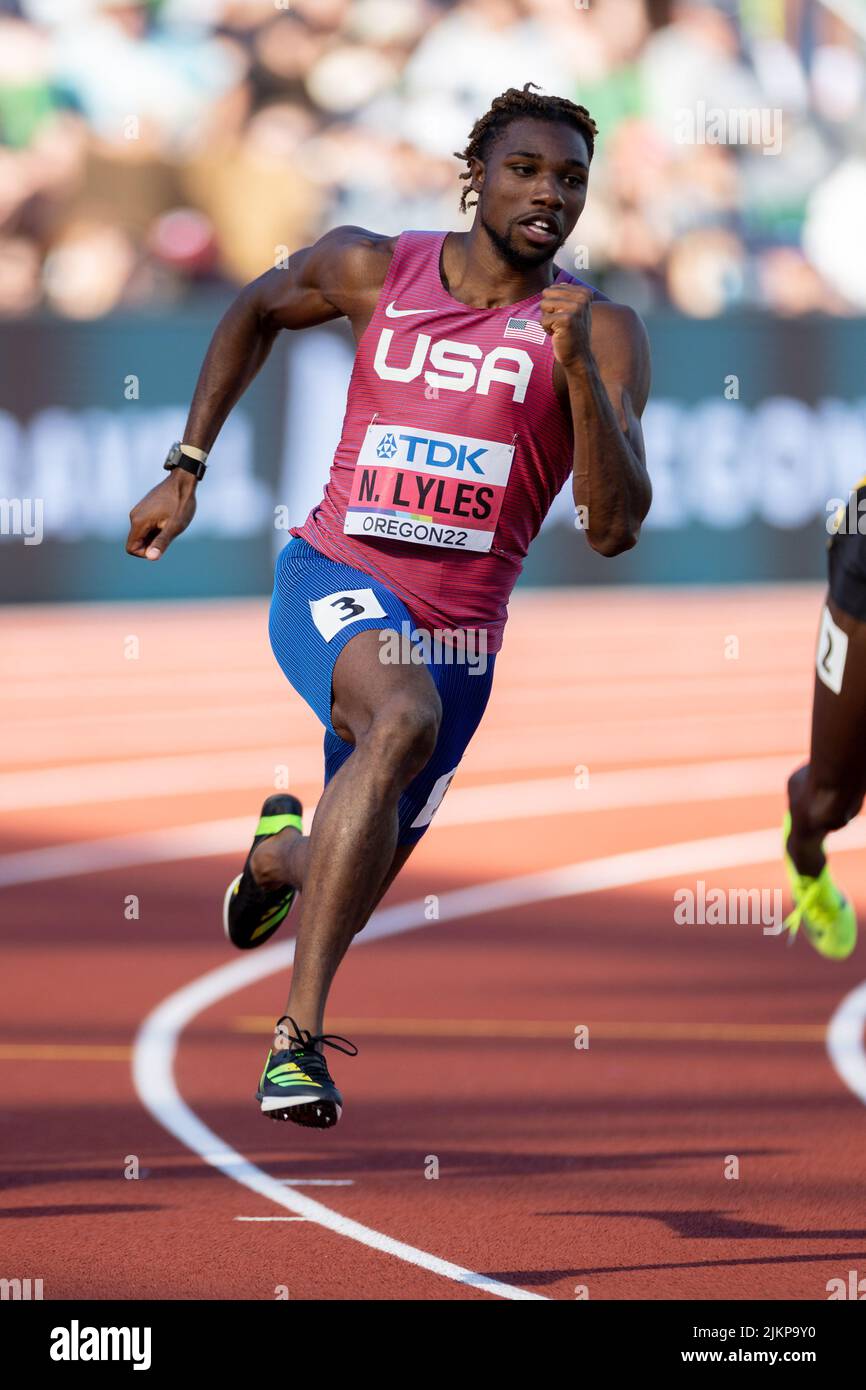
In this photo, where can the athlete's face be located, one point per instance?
(531, 189)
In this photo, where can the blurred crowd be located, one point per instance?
(152, 148)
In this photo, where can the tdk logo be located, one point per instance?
(455, 362)
(423, 452)
(387, 447)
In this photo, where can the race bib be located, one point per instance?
(336, 611)
(427, 487)
(831, 652)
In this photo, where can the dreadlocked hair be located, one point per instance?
(512, 105)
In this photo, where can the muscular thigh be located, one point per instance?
(462, 700)
(367, 680)
(337, 634)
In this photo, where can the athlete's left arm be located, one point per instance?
(602, 376)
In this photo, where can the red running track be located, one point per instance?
(560, 1169)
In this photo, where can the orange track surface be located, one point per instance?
(558, 1167)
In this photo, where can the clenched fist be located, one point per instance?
(161, 515)
(566, 314)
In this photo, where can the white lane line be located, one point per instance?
(133, 779)
(137, 685)
(269, 1218)
(633, 676)
(615, 790)
(501, 801)
(845, 1042)
(156, 1043)
(318, 1182)
(125, 851)
(619, 742)
(153, 1074)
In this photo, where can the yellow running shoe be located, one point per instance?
(829, 919)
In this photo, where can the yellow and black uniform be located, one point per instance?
(847, 554)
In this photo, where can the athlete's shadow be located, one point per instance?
(552, 1276)
(716, 1225)
(89, 1209)
(459, 1164)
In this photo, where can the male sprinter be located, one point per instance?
(828, 792)
(483, 378)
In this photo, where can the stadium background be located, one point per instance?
(156, 155)
(638, 738)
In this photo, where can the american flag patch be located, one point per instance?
(525, 328)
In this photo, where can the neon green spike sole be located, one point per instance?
(252, 914)
(828, 919)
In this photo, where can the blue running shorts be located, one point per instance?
(318, 606)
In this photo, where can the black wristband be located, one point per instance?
(188, 465)
(176, 458)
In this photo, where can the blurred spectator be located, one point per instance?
(835, 231)
(706, 272)
(25, 81)
(256, 192)
(480, 48)
(20, 290)
(87, 269)
(148, 147)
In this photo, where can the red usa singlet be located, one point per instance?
(454, 445)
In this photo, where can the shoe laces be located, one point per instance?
(819, 903)
(304, 1042)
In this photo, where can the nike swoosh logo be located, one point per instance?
(392, 313)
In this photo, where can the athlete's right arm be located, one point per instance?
(340, 275)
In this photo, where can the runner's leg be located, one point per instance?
(390, 713)
(828, 791)
(283, 858)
